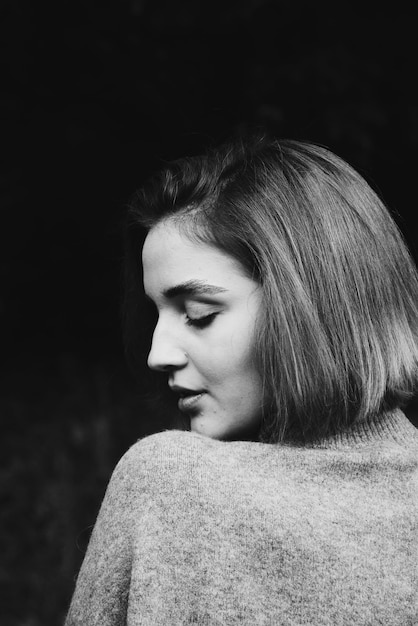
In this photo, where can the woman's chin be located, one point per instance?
(206, 425)
(212, 427)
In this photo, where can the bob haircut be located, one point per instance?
(337, 339)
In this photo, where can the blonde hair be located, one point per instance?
(338, 337)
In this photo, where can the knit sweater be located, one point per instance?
(198, 531)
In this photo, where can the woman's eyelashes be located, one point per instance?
(194, 315)
(200, 321)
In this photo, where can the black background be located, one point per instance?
(95, 95)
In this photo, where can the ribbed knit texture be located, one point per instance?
(198, 531)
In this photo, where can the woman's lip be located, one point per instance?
(188, 402)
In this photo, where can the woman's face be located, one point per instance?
(205, 332)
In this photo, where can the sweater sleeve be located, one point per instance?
(102, 587)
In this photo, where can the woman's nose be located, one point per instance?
(166, 353)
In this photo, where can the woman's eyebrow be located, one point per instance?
(193, 288)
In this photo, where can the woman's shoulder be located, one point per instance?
(176, 453)
(168, 442)
(162, 450)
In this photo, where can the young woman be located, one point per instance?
(288, 330)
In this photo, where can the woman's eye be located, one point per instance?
(200, 322)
